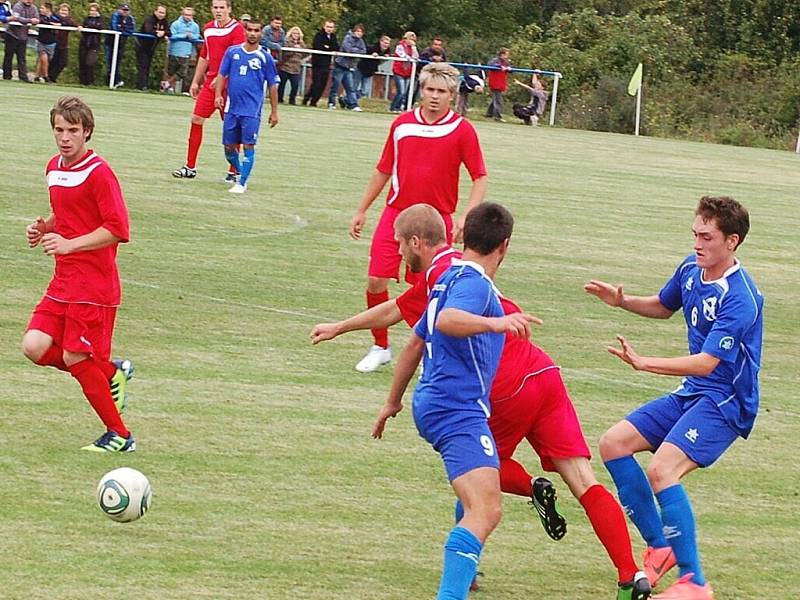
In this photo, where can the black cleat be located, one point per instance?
(638, 589)
(544, 500)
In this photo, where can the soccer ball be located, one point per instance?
(124, 494)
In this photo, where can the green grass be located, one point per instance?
(257, 444)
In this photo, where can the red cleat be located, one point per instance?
(686, 589)
(657, 561)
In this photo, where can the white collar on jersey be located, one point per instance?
(418, 116)
(736, 266)
(479, 268)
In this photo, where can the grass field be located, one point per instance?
(266, 482)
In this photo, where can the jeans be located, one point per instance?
(399, 101)
(15, 48)
(495, 109)
(109, 55)
(363, 85)
(294, 83)
(345, 77)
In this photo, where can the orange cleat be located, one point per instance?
(686, 589)
(657, 561)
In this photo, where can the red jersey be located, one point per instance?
(83, 197)
(520, 360)
(413, 301)
(424, 160)
(218, 38)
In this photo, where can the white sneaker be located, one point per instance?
(376, 357)
(238, 189)
(331, 106)
(357, 109)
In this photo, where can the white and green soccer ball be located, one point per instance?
(124, 494)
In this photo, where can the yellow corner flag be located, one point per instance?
(636, 81)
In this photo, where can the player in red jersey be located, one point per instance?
(219, 35)
(72, 326)
(422, 158)
(528, 401)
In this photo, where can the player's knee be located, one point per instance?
(611, 446)
(377, 285)
(32, 347)
(660, 474)
(196, 120)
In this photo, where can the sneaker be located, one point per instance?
(231, 178)
(357, 109)
(656, 563)
(637, 589)
(238, 189)
(119, 382)
(544, 500)
(331, 106)
(111, 441)
(185, 173)
(376, 357)
(341, 102)
(686, 589)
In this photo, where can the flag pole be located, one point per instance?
(797, 148)
(638, 107)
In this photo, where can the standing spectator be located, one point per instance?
(244, 19)
(157, 25)
(26, 14)
(344, 67)
(275, 37)
(435, 52)
(183, 32)
(498, 83)
(90, 45)
(46, 42)
(325, 40)
(366, 68)
(291, 65)
(121, 21)
(401, 70)
(61, 55)
(468, 84)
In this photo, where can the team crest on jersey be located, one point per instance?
(689, 283)
(235, 56)
(254, 64)
(726, 343)
(710, 308)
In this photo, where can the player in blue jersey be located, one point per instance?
(248, 70)
(461, 335)
(715, 403)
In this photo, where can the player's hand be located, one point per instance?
(626, 353)
(273, 119)
(388, 411)
(357, 224)
(194, 89)
(53, 243)
(35, 231)
(458, 230)
(611, 295)
(323, 332)
(517, 324)
(219, 102)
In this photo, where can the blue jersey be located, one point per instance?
(724, 318)
(458, 372)
(249, 74)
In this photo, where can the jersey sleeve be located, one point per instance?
(386, 162)
(470, 294)
(471, 153)
(272, 72)
(670, 294)
(421, 328)
(203, 51)
(412, 302)
(225, 67)
(733, 321)
(110, 203)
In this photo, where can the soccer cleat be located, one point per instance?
(185, 173)
(545, 500)
(111, 441)
(686, 589)
(119, 382)
(637, 589)
(238, 189)
(656, 563)
(376, 357)
(231, 178)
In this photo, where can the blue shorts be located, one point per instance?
(240, 130)
(694, 424)
(462, 438)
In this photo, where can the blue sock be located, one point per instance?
(462, 551)
(233, 159)
(679, 529)
(247, 164)
(636, 497)
(459, 511)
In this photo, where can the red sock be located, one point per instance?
(95, 387)
(514, 479)
(381, 335)
(107, 367)
(53, 357)
(195, 139)
(608, 521)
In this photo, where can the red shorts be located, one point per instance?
(204, 103)
(82, 328)
(541, 412)
(384, 252)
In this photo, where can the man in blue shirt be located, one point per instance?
(122, 20)
(183, 32)
(461, 335)
(248, 69)
(715, 403)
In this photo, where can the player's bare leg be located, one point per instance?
(380, 353)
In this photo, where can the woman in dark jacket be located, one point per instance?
(89, 46)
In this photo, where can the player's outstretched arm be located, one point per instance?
(700, 364)
(374, 187)
(460, 323)
(646, 306)
(53, 243)
(36, 230)
(403, 372)
(383, 315)
(476, 196)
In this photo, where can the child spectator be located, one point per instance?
(467, 84)
(46, 43)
